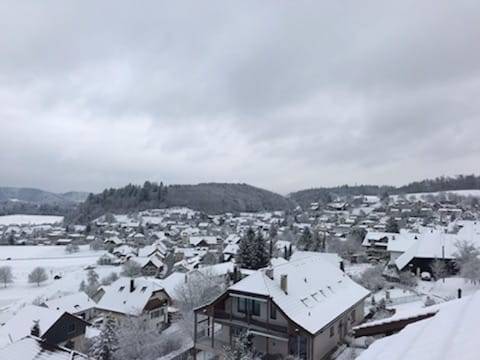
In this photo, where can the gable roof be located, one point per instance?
(32, 348)
(451, 334)
(209, 240)
(74, 303)
(118, 297)
(317, 291)
(21, 324)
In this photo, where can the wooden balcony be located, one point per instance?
(246, 321)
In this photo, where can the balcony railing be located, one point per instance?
(249, 321)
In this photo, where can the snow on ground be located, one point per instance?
(357, 269)
(30, 219)
(56, 261)
(447, 290)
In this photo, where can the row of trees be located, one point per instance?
(37, 276)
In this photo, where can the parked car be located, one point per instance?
(426, 276)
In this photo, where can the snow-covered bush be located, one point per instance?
(372, 278)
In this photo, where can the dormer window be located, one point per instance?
(121, 288)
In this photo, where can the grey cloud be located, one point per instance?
(280, 94)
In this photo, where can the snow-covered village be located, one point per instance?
(357, 277)
(239, 180)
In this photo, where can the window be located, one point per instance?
(71, 328)
(242, 305)
(332, 331)
(255, 308)
(273, 311)
(248, 306)
(156, 314)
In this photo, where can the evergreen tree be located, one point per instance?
(252, 252)
(306, 240)
(261, 253)
(105, 344)
(392, 226)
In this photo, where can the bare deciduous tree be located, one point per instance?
(199, 289)
(137, 341)
(131, 269)
(37, 276)
(6, 276)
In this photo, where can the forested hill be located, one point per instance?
(443, 183)
(212, 198)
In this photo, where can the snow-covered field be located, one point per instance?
(30, 219)
(56, 261)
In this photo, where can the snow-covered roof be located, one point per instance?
(171, 283)
(231, 249)
(435, 244)
(73, 304)
(148, 250)
(154, 259)
(217, 269)
(332, 258)
(31, 348)
(210, 240)
(451, 334)
(317, 291)
(120, 298)
(21, 324)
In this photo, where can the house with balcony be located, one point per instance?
(303, 307)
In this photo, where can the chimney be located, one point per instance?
(342, 266)
(269, 272)
(132, 285)
(35, 330)
(459, 291)
(284, 283)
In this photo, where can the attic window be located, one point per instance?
(306, 302)
(121, 288)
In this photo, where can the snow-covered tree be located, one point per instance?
(372, 278)
(252, 251)
(137, 341)
(305, 241)
(470, 270)
(6, 276)
(92, 283)
(37, 276)
(241, 349)
(407, 278)
(131, 269)
(466, 252)
(72, 248)
(438, 269)
(105, 344)
(198, 289)
(392, 226)
(107, 280)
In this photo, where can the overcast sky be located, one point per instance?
(279, 94)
